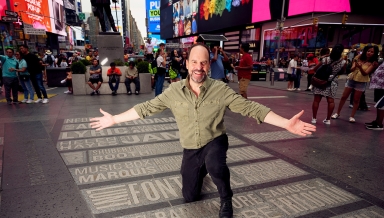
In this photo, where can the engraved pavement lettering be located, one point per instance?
(129, 169)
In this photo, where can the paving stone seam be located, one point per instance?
(130, 158)
(163, 174)
(296, 92)
(367, 197)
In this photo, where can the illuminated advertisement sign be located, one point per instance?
(221, 14)
(263, 10)
(50, 18)
(305, 6)
(185, 13)
(153, 15)
(3, 7)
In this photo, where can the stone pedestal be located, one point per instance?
(78, 84)
(110, 46)
(145, 83)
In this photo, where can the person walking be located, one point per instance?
(34, 68)
(377, 83)
(24, 79)
(292, 67)
(362, 67)
(199, 104)
(244, 70)
(312, 63)
(10, 80)
(297, 80)
(161, 61)
(338, 67)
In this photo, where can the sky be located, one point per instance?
(137, 10)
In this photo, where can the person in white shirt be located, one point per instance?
(64, 63)
(149, 50)
(292, 67)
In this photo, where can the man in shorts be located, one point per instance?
(95, 77)
(377, 83)
(244, 70)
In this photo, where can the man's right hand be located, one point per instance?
(105, 121)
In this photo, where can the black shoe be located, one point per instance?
(137, 92)
(226, 210)
(97, 92)
(375, 127)
(371, 123)
(307, 90)
(93, 93)
(114, 93)
(129, 93)
(9, 102)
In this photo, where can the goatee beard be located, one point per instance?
(200, 80)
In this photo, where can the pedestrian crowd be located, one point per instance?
(363, 71)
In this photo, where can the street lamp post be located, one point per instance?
(280, 27)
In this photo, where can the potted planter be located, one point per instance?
(78, 78)
(145, 77)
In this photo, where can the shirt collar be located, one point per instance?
(206, 83)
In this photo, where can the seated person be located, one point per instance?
(131, 75)
(68, 81)
(95, 77)
(114, 77)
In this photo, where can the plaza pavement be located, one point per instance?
(54, 165)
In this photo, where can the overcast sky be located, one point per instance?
(137, 10)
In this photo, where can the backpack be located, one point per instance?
(154, 66)
(49, 60)
(320, 79)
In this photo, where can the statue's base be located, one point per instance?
(110, 33)
(110, 48)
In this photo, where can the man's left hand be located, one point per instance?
(298, 127)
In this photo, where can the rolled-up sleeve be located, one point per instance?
(245, 107)
(154, 106)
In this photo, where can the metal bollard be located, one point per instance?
(272, 72)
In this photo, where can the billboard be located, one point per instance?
(51, 18)
(184, 19)
(153, 15)
(305, 6)
(3, 7)
(215, 15)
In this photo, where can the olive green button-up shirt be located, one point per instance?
(201, 119)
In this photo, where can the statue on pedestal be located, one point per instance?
(98, 8)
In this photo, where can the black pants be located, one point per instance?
(134, 80)
(209, 159)
(309, 79)
(100, 13)
(11, 84)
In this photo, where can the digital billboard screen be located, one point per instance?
(305, 6)
(51, 18)
(221, 14)
(153, 15)
(184, 17)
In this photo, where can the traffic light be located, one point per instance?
(345, 18)
(315, 21)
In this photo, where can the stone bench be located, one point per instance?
(80, 86)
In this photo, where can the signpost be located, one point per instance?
(81, 16)
(11, 13)
(33, 31)
(9, 19)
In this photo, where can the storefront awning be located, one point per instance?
(211, 38)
